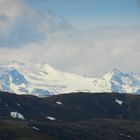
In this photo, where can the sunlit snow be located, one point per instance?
(44, 80)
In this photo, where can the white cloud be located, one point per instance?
(11, 11)
(91, 54)
(21, 24)
(29, 35)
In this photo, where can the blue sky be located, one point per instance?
(97, 12)
(89, 37)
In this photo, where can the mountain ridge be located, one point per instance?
(44, 80)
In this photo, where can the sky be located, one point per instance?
(90, 37)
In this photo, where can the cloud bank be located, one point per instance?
(20, 24)
(26, 34)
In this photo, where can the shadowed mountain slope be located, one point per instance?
(72, 107)
(75, 116)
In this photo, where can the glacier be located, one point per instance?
(43, 80)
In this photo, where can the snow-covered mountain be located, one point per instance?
(42, 80)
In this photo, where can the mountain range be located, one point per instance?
(44, 80)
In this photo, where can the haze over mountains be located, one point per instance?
(44, 80)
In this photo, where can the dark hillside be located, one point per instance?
(75, 116)
(73, 107)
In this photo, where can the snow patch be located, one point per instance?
(18, 104)
(17, 115)
(51, 118)
(35, 128)
(119, 101)
(59, 103)
(121, 134)
(128, 136)
(124, 135)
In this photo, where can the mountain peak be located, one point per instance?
(47, 66)
(116, 71)
(15, 64)
(110, 75)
